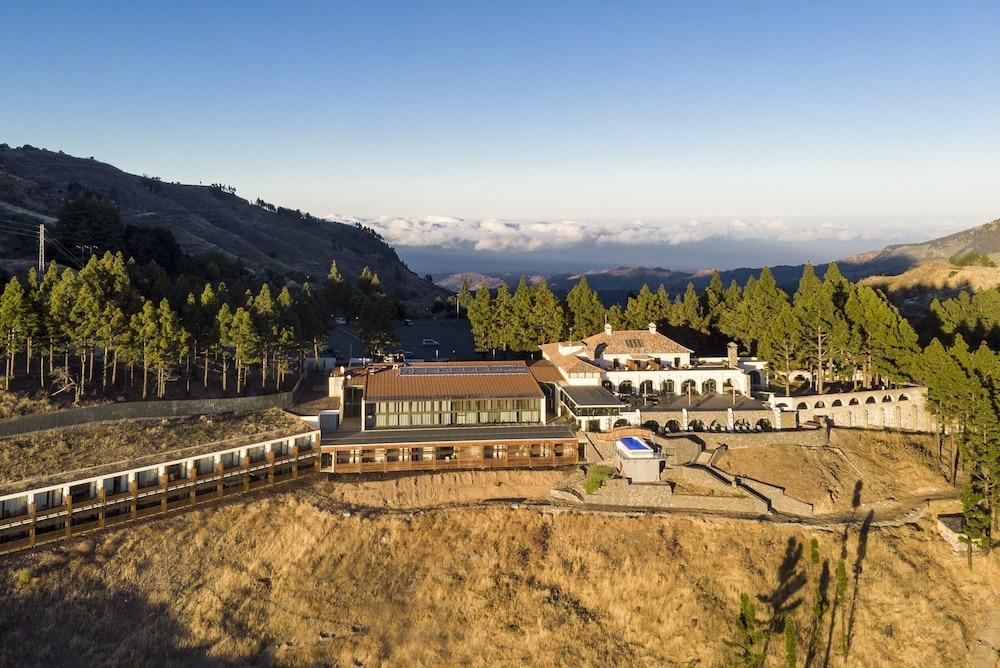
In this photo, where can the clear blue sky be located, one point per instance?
(540, 110)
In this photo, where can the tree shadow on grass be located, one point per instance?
(783, 599)
(81, 622)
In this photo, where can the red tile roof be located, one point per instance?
(451, 380)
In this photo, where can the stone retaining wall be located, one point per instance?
(619, 493)
(780, 501)
(712, 440)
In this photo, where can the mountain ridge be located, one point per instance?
(891, 260)
(207, 218)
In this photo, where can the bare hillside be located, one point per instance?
(203, 218)
(288, 579)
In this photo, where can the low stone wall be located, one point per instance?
(712, 440)
(780, 501)
(619, 493)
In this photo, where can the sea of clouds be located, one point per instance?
(497, 235)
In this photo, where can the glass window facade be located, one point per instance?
(446, 413)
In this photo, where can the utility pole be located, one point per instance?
(41, 250)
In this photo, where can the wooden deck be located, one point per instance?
(39, 527)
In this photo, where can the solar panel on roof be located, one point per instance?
(460, 370)
(633, 343)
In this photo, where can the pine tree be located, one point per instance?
(13, 321)
(464, 297)
(782, 345)
(246, 340)
(501, 320)
(265, 322)
(642, 309)
(336, 291)
(585, 310)
(223, 329)
(547, 314)
(815, 310)
(522, 326)
(616, 318)
(479, 315)
(690, 313)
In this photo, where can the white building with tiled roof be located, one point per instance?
(644, 363)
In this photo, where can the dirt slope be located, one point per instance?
(278, 580)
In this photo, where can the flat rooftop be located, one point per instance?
(498, 433)
(48, 457)
(589, 396)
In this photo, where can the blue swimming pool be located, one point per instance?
(634, 444)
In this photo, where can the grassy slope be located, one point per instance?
(278, 580)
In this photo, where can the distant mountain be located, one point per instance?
(36, 183)
(475, 280)
(614, 285)
(897, 258)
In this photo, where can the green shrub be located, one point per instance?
(596, 475)
(22, 575)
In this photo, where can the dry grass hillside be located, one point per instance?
(875, 466)
(42, 452)
(938, 276)
(288, 579)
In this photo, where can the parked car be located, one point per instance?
(340, 320)
(408, 322)
(430, 342)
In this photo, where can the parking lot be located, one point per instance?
(454, 337)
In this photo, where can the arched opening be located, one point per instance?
(820, 404)
(763, 424)
(887, 398)
(781, 405)
(667, 387)
(651, 424)
(854, 402)
(673, 426)
(742, 424)
(689, 387)
(802, 406)
(870, 400)
(715, 426)
(903, 397)
(709, 386)
(625, 387)
(608, 385)
(755, 379)
(696, 425)
(646, 387)
(621, 423)
(837, 402)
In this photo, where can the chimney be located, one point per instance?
(607, 328)
(732, 357)
(652, 328)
